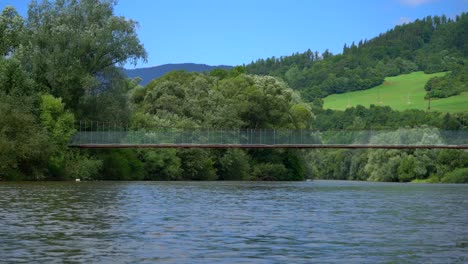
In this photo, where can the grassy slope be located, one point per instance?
(401, 92)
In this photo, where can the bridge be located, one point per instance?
(105, 135)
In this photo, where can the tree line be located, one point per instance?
(62, 63)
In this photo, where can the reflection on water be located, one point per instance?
(233, 222)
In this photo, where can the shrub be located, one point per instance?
(456, 176)
(270, 172)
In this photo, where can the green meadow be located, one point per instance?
(401, 92)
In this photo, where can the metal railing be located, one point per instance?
(114, 135)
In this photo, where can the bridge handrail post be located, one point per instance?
(140, 136)
(105, 131)
(85, 130)
(95, 134)
(302, 138)
(79, 129)
(110, 133)
(104, 136)
(129, 134)
(274, 136)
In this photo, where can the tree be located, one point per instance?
(294, 77)
(301, 116)
(162, 164)
(24, 145)
(268, 103)
(197, 165)
(121, 164)
(59, 124)
(269, 172)
(383, 165)
(14, 80)
(58, 121)
(111, 103)
(70, 46)
(234, 165)
(11, 26)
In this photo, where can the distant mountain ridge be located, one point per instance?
(148, 74)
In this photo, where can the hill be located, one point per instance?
(148, 74)
(432, 44)
(400, 92)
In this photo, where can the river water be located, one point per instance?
(233, 222)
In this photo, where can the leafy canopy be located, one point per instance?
(70, 46)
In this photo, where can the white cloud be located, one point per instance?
(404, 20)
(416, 2)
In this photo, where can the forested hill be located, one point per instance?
(432, 44)
(148, 74)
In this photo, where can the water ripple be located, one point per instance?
(232, 222)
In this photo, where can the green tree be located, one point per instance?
(301, 116)
(14, 80)
(234, 165)
(24, 145)
(79, 165)
(58, 121)
(11, 26)
(70, 46)
(59, 124)
(162, 164)
(459, 175)
(383, 165)
(121, 164)
(269, 172)
(197, 165)
(294, 77)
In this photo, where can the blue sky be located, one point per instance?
(234, 32)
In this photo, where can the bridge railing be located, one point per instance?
(120, 135)
(243, 137)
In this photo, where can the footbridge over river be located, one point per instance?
(105, 135)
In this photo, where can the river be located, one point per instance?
(233, 222)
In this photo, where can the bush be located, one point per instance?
(197, 165)
(270, 172)
(234, 165)
(79, 166)
(121, 164)
(457, 176)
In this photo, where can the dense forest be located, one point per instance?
(432, 44)
(221, 100)
(62, 63)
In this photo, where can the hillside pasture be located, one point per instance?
(400, 92)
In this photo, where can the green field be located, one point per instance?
(401, 92)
